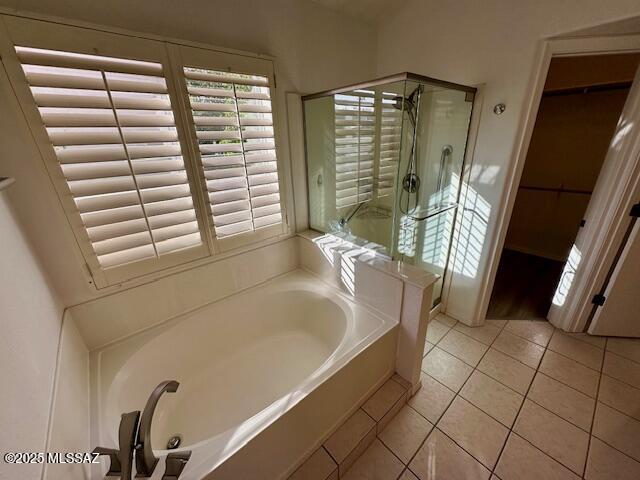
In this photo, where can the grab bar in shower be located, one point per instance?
(449, 206)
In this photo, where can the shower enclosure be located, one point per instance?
(386, 163)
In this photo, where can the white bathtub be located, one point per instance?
(245, 364)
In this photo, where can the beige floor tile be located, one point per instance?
(535, 331)
(319, 466)
(590, 339)
(622, 369)
(408, 475)
(625, 347)
(405, 433)
(570, 404)
(357, 452)
(492, 397)
(570, 372)
(474, 430)
(606, 463)
(441, 459)
(446, 320)
(393, 411)
(523, 350)
(506, 370)
(376, 463)
(344, 440)
(620, 396)
(556, 437)
(435, 331)
(446, 368)
(465, 348)
(432, 399)
(618, 430)
(496, 322)
(428, 346)
(577, 350)
(386, 397)
(522, 461)
(486, 333)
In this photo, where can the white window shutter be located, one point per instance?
(355, 126)
(233, 123)
(388, 155)
(111, 124)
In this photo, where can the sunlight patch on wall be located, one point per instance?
(470, 232)
(566, 280)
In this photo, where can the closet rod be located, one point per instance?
(557, 190)
(588, 89)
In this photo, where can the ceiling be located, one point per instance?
(369, 11)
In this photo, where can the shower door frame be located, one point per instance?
(573, 315)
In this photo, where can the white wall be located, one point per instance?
(30, 319)
(492, 43)
(315, 49)
(69, 430)
(113, 317)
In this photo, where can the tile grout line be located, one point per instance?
(574, 360)
(622, 356)
(525, 396)
(456, 394)
(621, 381)
(595, 408)
(510, 429)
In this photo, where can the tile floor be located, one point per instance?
(514, 400)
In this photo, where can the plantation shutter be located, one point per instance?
(233, 123)
(355, 124)
(389, 145)
(111, 124)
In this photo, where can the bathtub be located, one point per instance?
(265, 375)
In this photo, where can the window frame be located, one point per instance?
(37, 33)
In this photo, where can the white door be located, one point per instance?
(620, 314)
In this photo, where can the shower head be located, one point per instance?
(408, 103)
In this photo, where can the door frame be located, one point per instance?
(612, 201)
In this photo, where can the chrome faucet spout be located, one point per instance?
(146, 461)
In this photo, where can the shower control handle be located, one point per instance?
(146, 461)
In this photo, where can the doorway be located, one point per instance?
(582, 101)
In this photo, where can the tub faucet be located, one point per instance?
(134, 435)
(122, 459)
(145, 459)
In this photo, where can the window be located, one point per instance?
(158, 160)
(390, 141)
(233, 123)
(355, 124)
(111, 125)
(367, 145)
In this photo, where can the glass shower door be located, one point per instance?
(429, 175)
